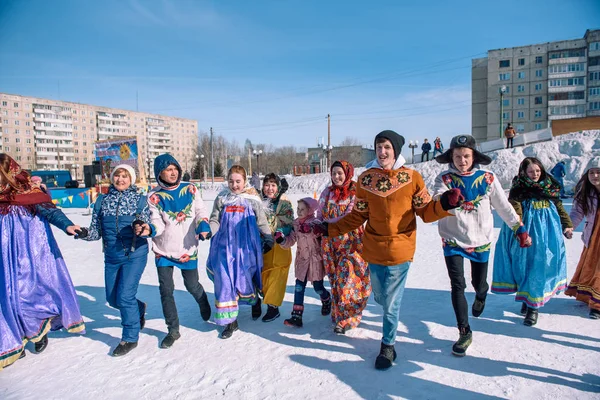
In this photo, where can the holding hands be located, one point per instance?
(140, 228)
(279, 237)
(568, 232)
(451, 199)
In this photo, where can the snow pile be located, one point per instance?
(576, 149)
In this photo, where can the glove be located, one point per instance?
(279, 237)
(266, 248)
(523, 236)
(137, 222)
(451, 199)
(325, 226)
(305, 228)
(202, 238)
(81, 233)
(319, 229)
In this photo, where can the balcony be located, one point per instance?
(47, 153)
(51, 136)
(51, 118)
(565, 116)
(566, 102)
(46, 161)
(574, 74)
(112, 117)
(561, 89)
(567, 60)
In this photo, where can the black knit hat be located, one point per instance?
(467, 141)
(394, 138)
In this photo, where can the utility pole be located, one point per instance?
(212, 158)
(502, 91)
(328, 141)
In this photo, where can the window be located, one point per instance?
(29, 151)
(17, 140)
(538, 126)
(16, 105)
(567, 110)
(538, 113)
(506, 116)
(594, 46)
(16, 113)
(26, 115)
(563, 68)
(17, 131)
(4, 104)
(504, 77)
(595, 91)
(539, 73)
(595, 105)
(521, 88)
(7, 149)
(567, 82)
(521, 61)
(595, 76)
(567, 53)
(579, 95)
(520, 115)
(506, 102)
(539, 59)
(521, 101)
(538, 86)
(5, 122)
(538, 100)
(520, 128)
(28, 141)
(521, 75)
(593, 61)
(17, 122)
(27, 123)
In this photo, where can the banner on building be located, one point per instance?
(113, 152)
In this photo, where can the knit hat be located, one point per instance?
(394, 138)
(466, 141)
(595, 163)
(127, 168)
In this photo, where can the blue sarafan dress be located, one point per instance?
(235, 261)
(36, 291)
(538, 272)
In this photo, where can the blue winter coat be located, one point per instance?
(112, 221)
(426, 147)
(559, 170)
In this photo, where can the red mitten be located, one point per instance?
(319, 229)
(279, 237)
(452, 198)
(305, 228)
(523, 236)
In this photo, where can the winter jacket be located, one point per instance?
(559, 170)
(55, 216)
(389, 201)
(112, 221)
(577, 216)
(438, 144)
(426, 147)
(509, 133)
(178, 215)
(473, 226)
(309, 260)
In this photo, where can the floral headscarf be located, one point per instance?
(19, 190)
(348, 187)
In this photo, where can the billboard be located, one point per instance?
(113, 152)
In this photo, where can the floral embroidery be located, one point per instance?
(180, 216)
(384, 184)
(469, 206)
(366, 180)
(421, 199)
(403, 177)
(154, 199)
(361, 205)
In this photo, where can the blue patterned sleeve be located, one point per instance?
(94, 230)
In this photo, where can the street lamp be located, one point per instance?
(257, 153)
(413, 145)
(327, 149)
(502, 91)
(203, 169)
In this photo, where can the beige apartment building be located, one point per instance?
(530, 86)
(52, 134)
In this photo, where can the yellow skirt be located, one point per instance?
(275, 273)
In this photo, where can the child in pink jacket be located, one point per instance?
(306, 233)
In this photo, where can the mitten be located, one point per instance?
(319, 229)
(451, 199)
(523, 236)
(305, 228)
(81, 233)
(208, 236)
(279, 237)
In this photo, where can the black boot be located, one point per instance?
(594, 314)
(42, 344)
(326, 306)
(386, 356)
(143, 316)
(256, 309)
(478, 306)
(169, 340)
(229, 329)
(204, 307)
(341, 330)
(124, 348)
(296, 319)
(524, 309)
(464, 341)
(531, 317)
(272, 313)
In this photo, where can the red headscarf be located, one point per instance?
(348, 187)
(17, 188)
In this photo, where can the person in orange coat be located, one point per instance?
(389, 197)
(510, 134)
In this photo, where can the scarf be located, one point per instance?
(524, 188)
(20, 191)
(348, 187)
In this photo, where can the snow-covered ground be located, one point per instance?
(558, 358)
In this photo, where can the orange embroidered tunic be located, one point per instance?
(389, 201)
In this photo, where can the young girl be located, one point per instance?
(348, 272)
(235, 261)
(37, 294)
(280, 216)
(538, 272)
(306, 233)
(114, 219)
(469, 234)
(585, 284)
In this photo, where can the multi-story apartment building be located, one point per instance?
(52, 134)
(530, 86)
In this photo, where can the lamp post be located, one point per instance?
(148, 162)
(203, 169)
(257, 153)
(327, 149)
(413, 145)
(502, 91)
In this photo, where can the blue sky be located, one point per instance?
(272, 70)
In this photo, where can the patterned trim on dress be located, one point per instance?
(384, 184)
(586, 291)
(525, 297)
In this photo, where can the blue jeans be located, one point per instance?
(301, 288)
(388, 286)
(561, 182)
(122, 280)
